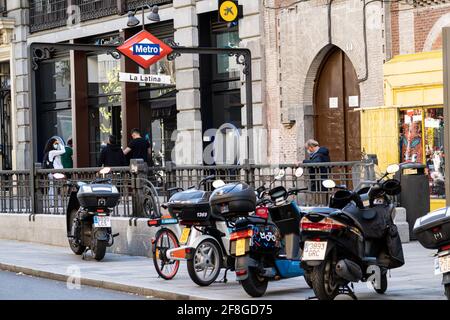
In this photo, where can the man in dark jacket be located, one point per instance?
(112, 154)
(317, 154)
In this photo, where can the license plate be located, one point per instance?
(102, 222)
(185, 235)
(314, 250)
(442, 265)
(240, 247)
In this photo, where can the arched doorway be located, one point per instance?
(336, 98)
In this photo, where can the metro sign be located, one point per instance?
(145, 49)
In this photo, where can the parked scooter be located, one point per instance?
(433, 232)
(88, 212)
(204, 240)
(352, 240)
(267, 245)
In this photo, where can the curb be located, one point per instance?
(166, 295)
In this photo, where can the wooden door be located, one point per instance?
(336, 98)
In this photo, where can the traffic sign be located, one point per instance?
(144, 49)
(229, 11)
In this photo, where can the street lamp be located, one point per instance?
(152, 16)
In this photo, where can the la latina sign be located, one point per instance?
(144, 78)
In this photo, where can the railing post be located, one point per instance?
(170, 179)
(38, 196)
(139, 171)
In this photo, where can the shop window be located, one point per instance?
(104, 99)
(422, 140)
(54, 116)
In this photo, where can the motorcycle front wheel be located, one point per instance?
(204, 267)
(383, 285)
(74, 243)
(324, 282)
(447, 291)
(255, 285)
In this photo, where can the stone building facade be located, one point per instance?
(299, 35)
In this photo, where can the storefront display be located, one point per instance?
(422, 140)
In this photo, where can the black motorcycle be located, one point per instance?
(88, 213)
(354, 239)
(433, 232)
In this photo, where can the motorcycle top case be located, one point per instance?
(190, 205)
(433, 229)
(233, 199)
(98, 195)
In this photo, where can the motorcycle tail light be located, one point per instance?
(324, 225)
(248, 233)
(445, 248)
(262, 212)
(152, 222)
(241, 272)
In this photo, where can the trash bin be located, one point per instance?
(415, 195)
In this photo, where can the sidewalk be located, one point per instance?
(415, 280)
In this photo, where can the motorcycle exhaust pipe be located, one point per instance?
(348, 270)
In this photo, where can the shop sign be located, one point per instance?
(144, 78)
(145, 49)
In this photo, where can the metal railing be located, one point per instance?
(142, 189)
(49, 14)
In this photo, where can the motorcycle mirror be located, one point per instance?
(329, 184)
(105, 170)
(393, 168)
(299, 172)
(280, 174)
(59, 176)
(218, 184)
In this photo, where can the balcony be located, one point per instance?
(49, 14)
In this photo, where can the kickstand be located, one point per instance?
(84, 255)
(224, 279)
(342, 290)
(348, 291)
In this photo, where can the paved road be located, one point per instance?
(22, 287)
(415, 280)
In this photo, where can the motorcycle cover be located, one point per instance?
(394, 248)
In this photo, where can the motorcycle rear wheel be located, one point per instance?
(99, 249)
(165, 239)
(255, 285)
(447, 291)
(323, 281)
(307, 277)
(207, 256)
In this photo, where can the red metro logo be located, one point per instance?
(145, 49)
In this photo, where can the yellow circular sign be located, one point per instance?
(228, 11)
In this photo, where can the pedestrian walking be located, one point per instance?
(112, 154)
(317, 154)
(67, 157)
(138, 148)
